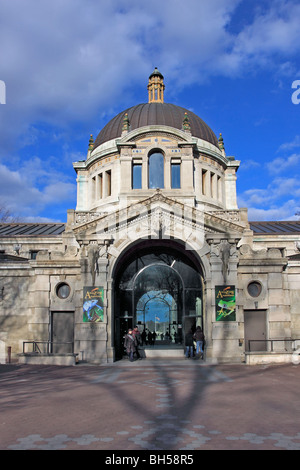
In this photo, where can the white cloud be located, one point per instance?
(274, 31)
(290, 145)
(273, 202)
(280, 212)
(280, 165)
(28, 191)
(249, 165)
(67, 61)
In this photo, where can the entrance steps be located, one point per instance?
(162, 352)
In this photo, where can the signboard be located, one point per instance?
(93, 310)
(225, 303)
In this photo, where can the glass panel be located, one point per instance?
(193, 303)
(125, 303)
(157, 278)
(254, 289)
(175, 175)
(63, 291)
(137, 176)
(190, 276)
(156, 170)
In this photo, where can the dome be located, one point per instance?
(153, 113)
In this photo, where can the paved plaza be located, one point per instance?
(155, 405)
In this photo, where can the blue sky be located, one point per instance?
(70, 66)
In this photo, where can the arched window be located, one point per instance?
(156, 170)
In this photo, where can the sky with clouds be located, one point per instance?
(69, 67)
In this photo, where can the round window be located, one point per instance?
(254, 289)
(63, 290)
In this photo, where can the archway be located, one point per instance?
(158, 286)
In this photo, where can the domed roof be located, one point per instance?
(163, 114)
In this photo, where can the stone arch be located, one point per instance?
(161, 253)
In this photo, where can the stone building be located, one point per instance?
(156, 239)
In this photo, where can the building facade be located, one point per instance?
(156, 239)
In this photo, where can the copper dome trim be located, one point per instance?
(164, 114)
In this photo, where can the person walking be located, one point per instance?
(199, 338)
(189, 351)
(130, 344)
(137, 335)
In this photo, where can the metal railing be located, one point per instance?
(267, 345)
(48, 347)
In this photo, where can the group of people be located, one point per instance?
(148, 337)
(131, 343)
(194, 343)
(191, 338)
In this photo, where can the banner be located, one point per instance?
(225, 303)
(93, 304)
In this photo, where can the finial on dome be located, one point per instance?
(186, 125)
(91, 143)
(156, 87)
(126, 123)
(221, 142)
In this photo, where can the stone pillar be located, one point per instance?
(187, 168)
(125, 168)
(230, 184)
(225, 335)
(82, 192)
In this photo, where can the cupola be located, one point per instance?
(156, 87)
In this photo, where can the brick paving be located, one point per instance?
(180, 405)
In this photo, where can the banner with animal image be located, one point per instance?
(225, 303)
(93, 304)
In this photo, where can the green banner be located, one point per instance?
(93, 304)
(225, 303)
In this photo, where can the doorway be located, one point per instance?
(157, 313)
(255, 323)
(157, 284)
(62, 332)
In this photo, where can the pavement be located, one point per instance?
(160, 405)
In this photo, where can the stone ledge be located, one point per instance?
(49, 359)
(257, 358)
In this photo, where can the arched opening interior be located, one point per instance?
(158, 286)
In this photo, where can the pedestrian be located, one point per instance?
(130, 344)
(154, 337)
(199, 338)
(137, 336)
(150, 338)
(144, 337)
(189, 346)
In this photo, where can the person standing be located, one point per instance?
(144, 337)
(199, 338)
(130, 344)
(189, 346)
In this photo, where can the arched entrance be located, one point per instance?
(158, 286)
